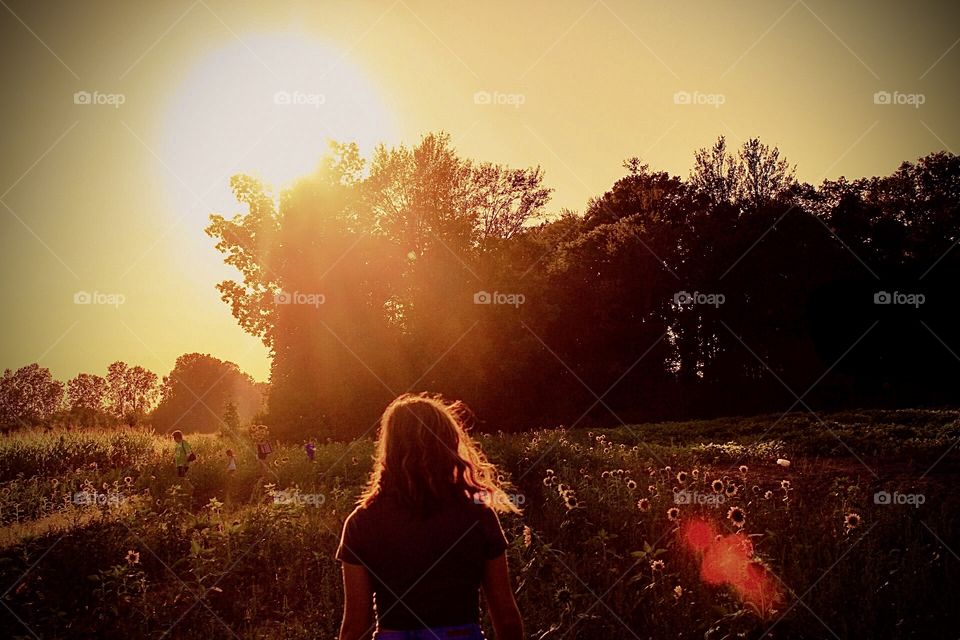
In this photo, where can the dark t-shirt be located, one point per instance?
(425, 571)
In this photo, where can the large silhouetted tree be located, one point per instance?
(735, 290)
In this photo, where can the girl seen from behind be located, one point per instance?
(425, 538)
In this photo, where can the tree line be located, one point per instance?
(200, 394)
(736, 290)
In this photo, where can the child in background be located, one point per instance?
(263, 450)
(311, 451)
(260, 434)
(231, 462)
(182, 454)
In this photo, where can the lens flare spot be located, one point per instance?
(728, 560)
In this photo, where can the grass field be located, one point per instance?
(596, 554)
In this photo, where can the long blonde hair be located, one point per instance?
(425, 458)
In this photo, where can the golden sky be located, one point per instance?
(123, 120)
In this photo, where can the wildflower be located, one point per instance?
(128, 480)
(768, 495)
(717, 485)
(673, 514)
(737, 516)
(743, 468)
(783, 462)
(785, 485)
(695, 474)
(851, 521)
(643, 504)
(133, 557)
(656, 565)
(681, 476)
(631, 485)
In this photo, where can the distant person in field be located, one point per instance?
(231, 462)
(260, 434)
(425, 537)
(311, 451)
(182, 454)
(263, 450)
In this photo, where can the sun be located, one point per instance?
(264, 105)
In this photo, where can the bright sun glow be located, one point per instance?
(266, 107)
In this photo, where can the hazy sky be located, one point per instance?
(108, 191)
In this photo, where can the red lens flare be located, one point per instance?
(728, 560)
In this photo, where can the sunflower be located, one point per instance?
(785, 485)
(717, 485)
(673, 514)
(133, 557)
(731, 490)
(657, 565)
(643, 504)
(737, 516)
(768, 495)
(631, 484)
(681, 476)
(743, 469)
(851, 521)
